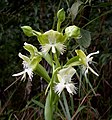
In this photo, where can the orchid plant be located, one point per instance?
(53, 45)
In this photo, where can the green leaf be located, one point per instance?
(48, 108)
(63, 108)
(87, 81)
(74, 9)
(41, 71)
(85, 39)
(38, 103)
(77, 111)
(66, 106)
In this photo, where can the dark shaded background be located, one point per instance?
(39, 14)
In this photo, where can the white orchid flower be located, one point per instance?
(27, 70)
(52, 40)
(29, 63)
(64, 78)
(86, 60)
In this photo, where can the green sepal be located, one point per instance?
(43, 39)
(74, 61)
(25, 58)
(38, 103)
(51, 36)
(82, 56)
(31, 49)
(41, 71)
(35, 60)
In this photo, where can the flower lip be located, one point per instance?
(89, 61)
(86, 60)
(88, 56)
(64, 77)
(59, 46)
(27, 69)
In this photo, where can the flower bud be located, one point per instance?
(73, 31)
(27, 31)
(61, 15)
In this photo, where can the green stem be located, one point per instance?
(56, 60)
(80, 81)
(87, 81)
(72, 104)
(97, 18)
(58, 26)
(55, 18)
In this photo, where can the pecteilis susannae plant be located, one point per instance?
(53, 44)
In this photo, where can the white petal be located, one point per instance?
(60, 79)
(30, 74)
(93, 71)
(64, 78)
(60, 47)
(71, 71)
(59, 88)
(71, 88)
(67, 78)
(46, 48)
(86, 70)
(89, 60)
(53, 49)
(18, 74)
(92, 54)
(25, 65)
(24, 77)
(67, 71)
(25, 43)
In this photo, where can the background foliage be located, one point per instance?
(20, 100)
